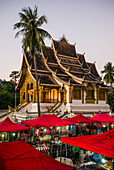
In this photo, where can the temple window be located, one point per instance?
(77, 93)
(101, 94)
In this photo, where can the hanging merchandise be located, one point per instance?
(54, 131)
(71, 127)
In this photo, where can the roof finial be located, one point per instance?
(83, 53)
(63, 39)
(74, 44)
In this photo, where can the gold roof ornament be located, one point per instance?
(69, 81)
(82, 63)
(83, 77)
(90, 68)
(74, 44)
(60, 60)
(103, 80)
(56, 51)
(68, 68)
(39, 81)
(89, 71)
(56, 71)
(31, 66)
(78, 56)
(83, 53)
(46, 59)
(94, 62)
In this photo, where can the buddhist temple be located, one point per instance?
(66, 81)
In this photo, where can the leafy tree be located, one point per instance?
(33, 36)
(5, 99)
(111, 100)
(14, 76)
(7, 94)
(109, 73)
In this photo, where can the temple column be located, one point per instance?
(82, 94)
(106, 96)
(97, 94)
(41, 94)
(65, 91)
(70, 94)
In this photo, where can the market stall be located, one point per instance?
(20, 155)
(102, 143)
(8, 130)
(80, 119)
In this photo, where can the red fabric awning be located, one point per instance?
(80, 119)
(102, 118)
(47, 121)
(102, 144)
(21, 156)
(8, 126)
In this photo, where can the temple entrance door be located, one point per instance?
(62, 97)
(90, 94)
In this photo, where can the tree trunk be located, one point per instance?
(37, 86)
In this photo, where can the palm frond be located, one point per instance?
(20, 25)
(44, 33)
(41, 20)
(23, 17)
(21, 32)
(35, 11)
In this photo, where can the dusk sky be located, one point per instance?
(88, 23)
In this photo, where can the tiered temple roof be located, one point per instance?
(61, 62)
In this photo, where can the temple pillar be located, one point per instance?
(97, 94)
(70, 94)
(106, 96)
(65, 91)
(41, 94)
(82, 94)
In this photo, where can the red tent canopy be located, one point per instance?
(8, 126)
(102, 143)
(102, 118)
(47, 121)
(80, 119)
(21, 156)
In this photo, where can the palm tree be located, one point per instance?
(109, 73)
(33, 36)
(14, 76)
